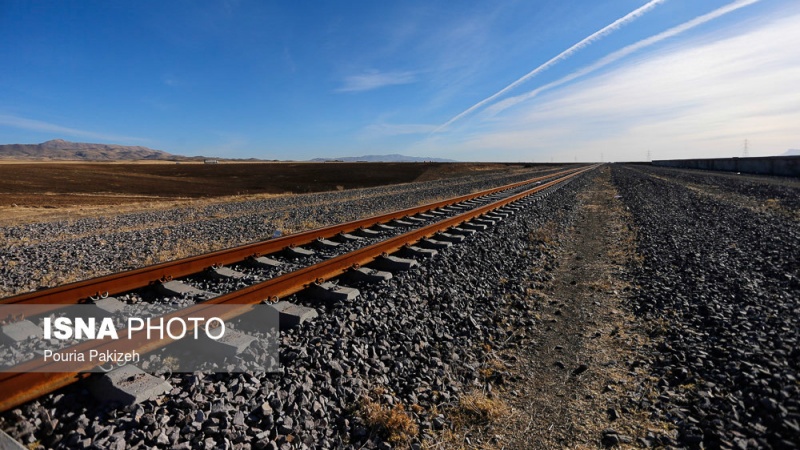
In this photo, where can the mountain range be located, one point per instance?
(59, 149)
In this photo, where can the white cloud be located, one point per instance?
(698, 98)
(608, 29)
(37, 125)
(375, 80)
(622, 53)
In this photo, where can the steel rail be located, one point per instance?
(120, 282)
(24, 385)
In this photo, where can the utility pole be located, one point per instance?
(745, 152)
(648, 155)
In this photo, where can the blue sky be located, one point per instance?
(521, 80)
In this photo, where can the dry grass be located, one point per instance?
(476, 408)
(20, 215)
(392, 423)
(545, 235)
(617, 336)
(550, 408)
(286, 226)
(491, 364)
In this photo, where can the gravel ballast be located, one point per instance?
(720, 288)
(413, 344)
(714, 283)
(767, 190)
(39, 255)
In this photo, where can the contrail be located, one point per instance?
(561, 56)
(619, 54)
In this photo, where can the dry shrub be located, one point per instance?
(474, 414)
(393, 424)
(478, 408)
(490, 367)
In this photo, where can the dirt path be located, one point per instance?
(580, 371)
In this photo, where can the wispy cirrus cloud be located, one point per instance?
(700, 98)
(46, 127)
(619, 54)
(608, 29)
(376, 80)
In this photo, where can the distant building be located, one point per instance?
(211, 161)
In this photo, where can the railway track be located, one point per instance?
(27, 381)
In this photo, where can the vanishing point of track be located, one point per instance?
(23, 384)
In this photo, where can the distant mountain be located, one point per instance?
(60, 149)
(384, 158)
(792, 152)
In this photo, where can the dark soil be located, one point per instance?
(581, 371)
(573, 377)
(58, 184)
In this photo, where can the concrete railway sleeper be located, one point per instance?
(291, 245)
(28, 382)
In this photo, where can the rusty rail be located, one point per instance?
(126, 281)
(23, 385)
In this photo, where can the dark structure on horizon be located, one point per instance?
(788, 166)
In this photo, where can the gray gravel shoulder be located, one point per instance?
(721, 286)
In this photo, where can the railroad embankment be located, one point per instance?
(633, 306)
